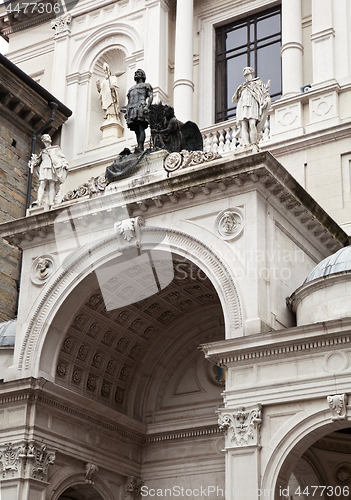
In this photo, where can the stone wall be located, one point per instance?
(15, 152)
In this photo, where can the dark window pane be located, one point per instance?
(268, 26)
(268, 71)
(236, 38)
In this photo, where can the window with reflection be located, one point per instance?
(254, 41)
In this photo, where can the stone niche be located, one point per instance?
(116, 60)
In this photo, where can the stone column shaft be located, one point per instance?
(292, 48)
(183, 64)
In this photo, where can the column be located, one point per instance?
(156, 48)
(322, 41)
(183, 86)
(242, 449)
(292, 48)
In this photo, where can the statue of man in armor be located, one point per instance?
(52, 167)
(253, 106)
(137, 110)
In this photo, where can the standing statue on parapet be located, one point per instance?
(51, 166)
(137, 110)
(109, 95)
(253, 106)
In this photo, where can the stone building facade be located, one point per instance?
(24, 109)
(189, 333)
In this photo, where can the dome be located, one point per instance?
(7, 333)
(337, 262)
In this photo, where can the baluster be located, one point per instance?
(227, 139)
(221, 141)
(214, 147)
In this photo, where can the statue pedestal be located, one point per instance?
(111, 130)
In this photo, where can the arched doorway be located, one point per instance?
(80, 492)
(324, 469)
(319, 465)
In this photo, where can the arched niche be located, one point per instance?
(46, 328)
(292, 453)
(115, 41)
(115, 57)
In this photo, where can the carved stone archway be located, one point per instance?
(80, 266)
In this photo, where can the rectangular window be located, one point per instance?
(254, 41)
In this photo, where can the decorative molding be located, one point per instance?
(337, 405)
(342, 473)
(183, 434)
(129, 229)
(90, 472)
(278, 350)
(132, 488)
(61, 25)
(27, 459)
(42, 268)
(42, 458)
(184, 159)
(93, 186)
(230, 223)
(242, 426)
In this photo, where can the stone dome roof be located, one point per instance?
(8, 333)
(337, 262)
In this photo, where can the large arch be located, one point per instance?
(293, 440)
(84, 261)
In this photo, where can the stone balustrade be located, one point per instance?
(221, 137)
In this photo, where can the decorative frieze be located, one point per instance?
(184, 159)
(93, 186)
(241, 426)
(337, 405)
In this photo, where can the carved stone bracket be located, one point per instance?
(241, 426)
(337, 405)
(90, 471)
(184, 159)
(128, 231)
(132, 488)
(28, 460)
(91, 188)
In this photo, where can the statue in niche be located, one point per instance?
(253, 106)
(51, 166)
(137, 110)
(171, 134)
(109, 95)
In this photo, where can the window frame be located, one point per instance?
(222, 56)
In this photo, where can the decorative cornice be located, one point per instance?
(316, 337)
(183, 434)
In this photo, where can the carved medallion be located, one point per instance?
(229, 223)
(342, 473)
(42, 268)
